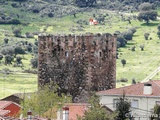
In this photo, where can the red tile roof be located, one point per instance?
(8, 108)
(134, 90)
(4, 104)
(4, 112)
(76, 109)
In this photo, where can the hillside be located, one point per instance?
(21, 22)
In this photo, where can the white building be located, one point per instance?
(143, 97)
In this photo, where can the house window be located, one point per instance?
(134, 104)
(115, 102)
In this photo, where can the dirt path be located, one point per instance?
(151, 75)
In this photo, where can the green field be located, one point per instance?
(139, 63)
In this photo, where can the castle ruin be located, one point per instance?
(78, 64)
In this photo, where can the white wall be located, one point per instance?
(144, 104)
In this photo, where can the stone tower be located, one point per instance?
(77, 63)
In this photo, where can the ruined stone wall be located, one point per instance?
(94, 53)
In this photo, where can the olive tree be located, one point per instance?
(147, 12)
(121, 40)
(19, 50)
(123, 61)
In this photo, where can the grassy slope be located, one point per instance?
(139, 63)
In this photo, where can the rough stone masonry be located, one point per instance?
(77, 64)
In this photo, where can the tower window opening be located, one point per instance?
(100, 54)
(66, 54)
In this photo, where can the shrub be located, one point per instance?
(117, 33)
(123, 80)
(158, 33)
(146, 36)
(34, 62)
(123, 61)
(20, 0)
(158, 27)
(128, 35)
(100, 19)
(118, 44)
(147, 12)
(121, 40)
(35, 50)
(50, 15)
(133, 81)
(35, 10)
(82, 22)
(18, 60)
(14, 5)
(30, 71)
(8, 50)
(19, 50)
(133, 29)
(17, 32)
(6, 40)
(1, 57)
(142, 47)
(29, 35)
(14, 21)
(133, 48)
(8, 59)
(29, 48)
(36, 42)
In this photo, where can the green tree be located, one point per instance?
(19, 50)
(147, 12)
(29, 48)
(156, 112)
(123, 107)
(8, 59)
(121, 40)
(128, 35)
(43, 101)
(18, 60)
(123, 61)
(8, 50)
(96, 111)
